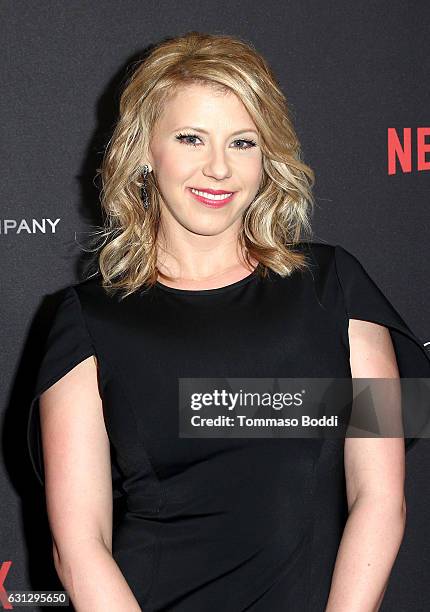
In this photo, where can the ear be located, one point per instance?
(149, 159)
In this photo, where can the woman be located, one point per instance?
(204, 272)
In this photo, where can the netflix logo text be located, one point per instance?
(401, 148)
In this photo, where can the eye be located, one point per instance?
(183, 139)
(187, 139)
(250, 143)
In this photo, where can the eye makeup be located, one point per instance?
(182, 138)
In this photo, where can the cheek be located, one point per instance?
(174, 167)
(251, 172)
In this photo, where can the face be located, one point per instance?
(205, 141)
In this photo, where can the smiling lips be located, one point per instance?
(215, 198)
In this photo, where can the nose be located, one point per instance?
(217, 165)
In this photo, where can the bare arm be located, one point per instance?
(78, 490)
(375, 471)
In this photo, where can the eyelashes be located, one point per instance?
(182, 139)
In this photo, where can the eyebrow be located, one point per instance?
(197, 129)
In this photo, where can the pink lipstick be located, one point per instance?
(211, 202)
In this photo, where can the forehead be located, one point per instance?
(205, 106)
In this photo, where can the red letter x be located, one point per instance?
(5, 567)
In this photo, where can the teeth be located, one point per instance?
(211, 196)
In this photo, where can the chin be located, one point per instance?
(206, 227)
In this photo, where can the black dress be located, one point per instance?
(245, 524)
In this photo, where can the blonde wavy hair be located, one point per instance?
(279, 216)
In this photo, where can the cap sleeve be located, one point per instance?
(68, 343)
(364, 300)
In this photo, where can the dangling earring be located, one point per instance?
(144, 193)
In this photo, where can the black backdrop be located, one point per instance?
(351, 71)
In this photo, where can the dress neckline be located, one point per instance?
(235, 285)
